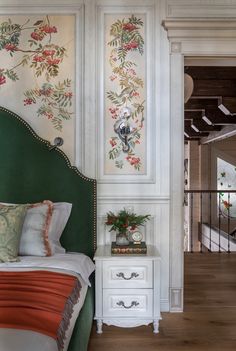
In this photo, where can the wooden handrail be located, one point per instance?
(209, 191)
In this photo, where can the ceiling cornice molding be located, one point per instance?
(199, 28)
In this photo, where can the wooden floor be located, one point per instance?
(209, 319)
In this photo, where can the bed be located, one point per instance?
(31, 171)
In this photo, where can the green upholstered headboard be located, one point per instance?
(30, 172)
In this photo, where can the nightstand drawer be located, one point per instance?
(127, 274)
(127, 302)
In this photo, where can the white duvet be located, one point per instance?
(71, 263)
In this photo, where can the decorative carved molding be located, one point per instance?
(200, 8)
(199, 28)
(210, 24)
(175, 48)
(127, 322)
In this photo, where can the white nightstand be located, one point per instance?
(127, 288)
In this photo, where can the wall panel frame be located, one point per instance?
(121, 12)
(75, 9)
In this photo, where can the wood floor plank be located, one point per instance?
(208, 322)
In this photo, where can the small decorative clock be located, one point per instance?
(137, 237)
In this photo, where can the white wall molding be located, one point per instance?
(125, 3)
(165, 305)
(197, 29)
(41, 3)
(214, 38)
(124, 198)
(39, 8)
(200, 8)
(155, 182)
(90, 112)
(176, 300)
(177, 174)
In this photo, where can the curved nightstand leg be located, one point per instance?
(156, 326)
(99, 326)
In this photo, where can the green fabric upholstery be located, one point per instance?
(30, 173)
(80, 337)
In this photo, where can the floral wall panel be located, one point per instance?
(125, 94)
(226, 180)
(37, 73)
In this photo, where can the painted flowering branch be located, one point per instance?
(44, 57)
(40, 57)
(126, 39)
(54, 100)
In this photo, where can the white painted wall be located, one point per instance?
(161, 192)
(195, 28)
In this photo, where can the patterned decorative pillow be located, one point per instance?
(11, 222)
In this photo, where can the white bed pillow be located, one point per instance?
(43, 226)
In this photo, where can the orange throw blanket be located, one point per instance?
(41, 301)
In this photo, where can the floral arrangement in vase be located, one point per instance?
(124, 222)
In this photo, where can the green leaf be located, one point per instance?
(137, 21)
(25, 60)
(38, 22)
(115, 42)
(127, 64)
(57, 123)
(116, 28)
(121, 54)
(32, 42)
(114, 153)
(64, 114)
(115, 98)
(119, 164)
(53, 70)
(11, 75)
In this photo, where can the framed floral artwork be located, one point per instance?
(125, 94)
(37, 73)
(127, 98)
(226, 180)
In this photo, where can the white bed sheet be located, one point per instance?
(71, 262)
(75, 264)
(24, 340)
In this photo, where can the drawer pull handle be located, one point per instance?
(133, 303)
(133, 275)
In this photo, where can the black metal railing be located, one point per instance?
(210, 220)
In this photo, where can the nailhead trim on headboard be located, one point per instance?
(75, 169)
